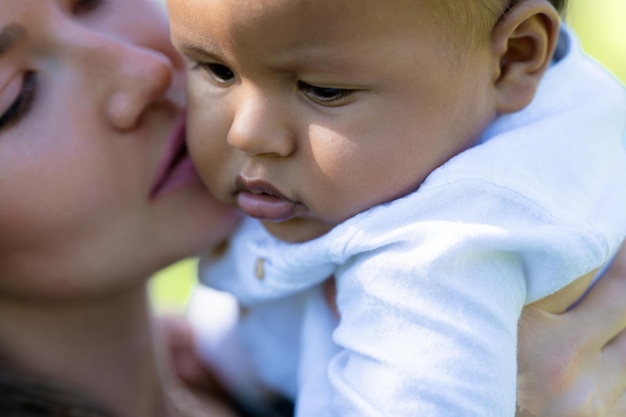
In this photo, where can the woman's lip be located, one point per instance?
(261, 200)
(176, 168)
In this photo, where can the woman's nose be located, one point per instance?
(144, 78)
(129, 78)
(260, 126)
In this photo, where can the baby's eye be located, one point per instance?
(219, 72)
(326, 96)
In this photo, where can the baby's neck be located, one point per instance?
(105, 346)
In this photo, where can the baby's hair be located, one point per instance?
(559, 5)
(474, 20)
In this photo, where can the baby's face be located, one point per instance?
(304, 113)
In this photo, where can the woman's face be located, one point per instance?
(93, 188)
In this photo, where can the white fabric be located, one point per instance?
(430, 286)
(217, 314)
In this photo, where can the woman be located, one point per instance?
(97, 193)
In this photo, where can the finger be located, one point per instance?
(615, 350)
(179, 342)
(620, 259)
(176, 330)
(185, 362)
(620, 407)
(602, 312)
(616, 407)
(614, 357)
(615, 271)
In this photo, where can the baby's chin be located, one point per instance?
(298, 229)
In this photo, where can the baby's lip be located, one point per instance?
(261, 200)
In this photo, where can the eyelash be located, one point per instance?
(26, 97)
(320, 95)
(215, 70)
(22, 103)
(326, 96)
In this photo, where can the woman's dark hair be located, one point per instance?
(26, 396)
(560, 5)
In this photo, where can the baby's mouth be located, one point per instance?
(261, 200)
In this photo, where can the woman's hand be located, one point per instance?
(574, 364)
(199, 387)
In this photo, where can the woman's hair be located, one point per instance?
(27, 396)
(560, 5)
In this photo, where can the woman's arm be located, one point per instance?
(574, 364)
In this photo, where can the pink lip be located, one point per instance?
(176, 169)
(261, 200)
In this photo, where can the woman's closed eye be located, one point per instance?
(326, 96)
(22, 102)
(86, 6)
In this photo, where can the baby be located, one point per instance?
(446, 161)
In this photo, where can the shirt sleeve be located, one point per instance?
(428, 342)
(429, 321)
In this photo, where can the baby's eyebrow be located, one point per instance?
(206, 48)
(189, 47)
(10, 36)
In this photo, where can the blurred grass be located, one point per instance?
(601, 26)
(171, 287)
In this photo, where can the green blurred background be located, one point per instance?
(601, 26)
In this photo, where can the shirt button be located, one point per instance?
(260, 268)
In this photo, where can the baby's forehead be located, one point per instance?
(463, 18)
(311, 23)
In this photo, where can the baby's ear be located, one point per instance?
(523, 43)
